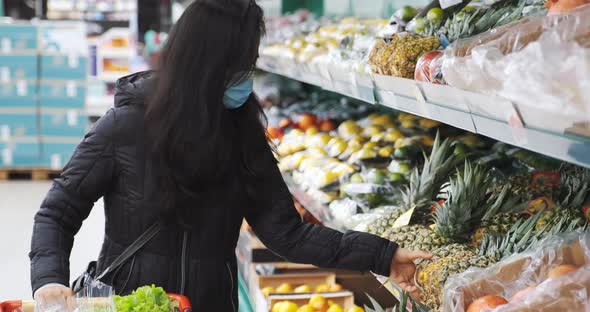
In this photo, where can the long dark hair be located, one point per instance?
(194, 140)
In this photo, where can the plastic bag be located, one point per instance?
(541, 63)
(97, 297)
(429, 68)
(569, 292)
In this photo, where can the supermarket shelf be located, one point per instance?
(318, 210)
(490, 116)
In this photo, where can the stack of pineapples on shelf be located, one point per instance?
(468, 219)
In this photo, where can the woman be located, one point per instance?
(186, 147)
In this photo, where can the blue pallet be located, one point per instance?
(18, 124)
(64, 67)
(63, 123)
(18, 94)
(18, 37)
(20, 153)
(18, 67)
(63, 94)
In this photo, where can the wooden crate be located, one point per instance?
(345, 299)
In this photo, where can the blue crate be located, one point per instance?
(18, 67)
(18, 37)
(56, 154)
(62, 94)
(16, 124)
(62, 66)
(18, 94)
(20, 153)
(63, 123)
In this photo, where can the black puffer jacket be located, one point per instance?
(111, 162)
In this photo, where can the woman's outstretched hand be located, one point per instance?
(403, 269)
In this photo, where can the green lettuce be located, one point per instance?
(144, 299)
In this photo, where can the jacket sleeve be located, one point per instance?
(84, 180)
(278, 225)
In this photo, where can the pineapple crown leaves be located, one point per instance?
(503, 203)
(424, 185)
(465, 204)
(574, 189)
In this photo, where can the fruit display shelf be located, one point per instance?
(490, 116)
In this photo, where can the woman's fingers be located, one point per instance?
(414, 255)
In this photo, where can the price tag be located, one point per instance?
(72, 118)
(7, 156)
(517, 126)
(5, 132)
(73, 61)
(448, 3)
(6, 45)
(71, 90)
(55, 162)
(21, 88)
(404, 219)
(4, 74)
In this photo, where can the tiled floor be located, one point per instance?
(18, 203)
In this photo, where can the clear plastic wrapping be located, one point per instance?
(541, 63)
(524, 279)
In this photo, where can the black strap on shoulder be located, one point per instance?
(132, 249)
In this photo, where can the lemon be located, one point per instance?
(337, 287)
(322, 288)
(393, 135)
(277, 306)
(356, 309)
(303, 289)
(267, 290)
(318, 302)
(306, 308)
(285, 288)
(288, 306)
(335, 308)
(312, 131)
(385, 151)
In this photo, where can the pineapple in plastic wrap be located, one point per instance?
(399, 56)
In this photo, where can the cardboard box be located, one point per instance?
(311, 279)
(16, 123)
(18, 37)
(63, 123)
(56, 152)
(68, 94)
(18, 94)
(64, 66)
(22, 152)
(18, 67)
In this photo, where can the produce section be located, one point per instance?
(478, 203)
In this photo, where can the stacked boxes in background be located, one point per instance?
(62, 90)
(43, 70)
(19, 124)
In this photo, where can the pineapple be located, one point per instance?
(447, 261)
(384, 223)
(574, 191)
(500, 217)
(423, 187)
(456, 218)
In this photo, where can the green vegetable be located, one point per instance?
(435, 15)
(144, 299)
(406, 13)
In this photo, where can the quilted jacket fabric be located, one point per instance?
(198, 260)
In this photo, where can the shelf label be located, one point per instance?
(6, 45)
(448, 3)
(21, 88)
(7, 156)
(72, 118)
(5, 132)
(55, 161)
(71, 90)
(4, 74)
(516, 126)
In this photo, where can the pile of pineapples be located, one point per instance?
(467, 219)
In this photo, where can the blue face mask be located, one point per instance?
(237, 95)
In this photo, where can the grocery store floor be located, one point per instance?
(18, 203)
